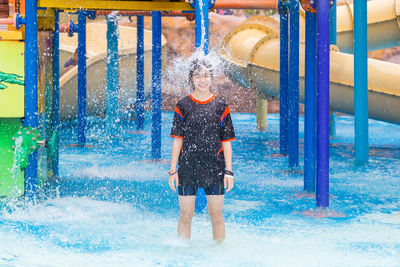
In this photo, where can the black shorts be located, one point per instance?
(218, 189)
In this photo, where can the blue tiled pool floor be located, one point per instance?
(113, 207)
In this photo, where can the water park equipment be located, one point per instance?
(247, 46)
(97, 69)
(256, 55)
(30, 91)
(47, 119)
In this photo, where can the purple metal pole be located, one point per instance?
(323, 103)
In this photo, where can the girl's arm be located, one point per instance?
(227, 149)
(176, 149)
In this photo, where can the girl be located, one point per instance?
(202, 131)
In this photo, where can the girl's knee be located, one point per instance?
(186, 216)
(216, 216)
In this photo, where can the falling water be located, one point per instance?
(203, 28)
(16, 165)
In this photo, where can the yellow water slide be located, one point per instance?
(96, 45)
(251, 53)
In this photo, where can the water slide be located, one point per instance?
(96, 45)
(251, 53)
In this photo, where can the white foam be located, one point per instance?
(133, 171)
(143, 238)
(236, 205)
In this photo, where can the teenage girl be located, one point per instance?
(202, 131)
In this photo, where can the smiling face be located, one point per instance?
(202, 80)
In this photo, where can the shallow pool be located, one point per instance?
(113, 206)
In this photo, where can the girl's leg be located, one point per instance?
(186, 204)
(215, 203)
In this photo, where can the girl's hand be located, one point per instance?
(173, 179)
(228, 181)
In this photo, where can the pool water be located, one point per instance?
(113, 206)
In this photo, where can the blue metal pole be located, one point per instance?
(31, 91)
(323, 103)
(333, 24)
(112, 74)
(201, 25)
(140, 73)
(293, 97)
(360, 81)
(333, 40)
(201, 42)
(310, 109)
(56, 85)
(284, 83)
(156, 82)
(81, 77)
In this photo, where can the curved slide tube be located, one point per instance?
(251, 53)
(97, 69)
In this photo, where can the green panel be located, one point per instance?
(8, 184)
(12, 79)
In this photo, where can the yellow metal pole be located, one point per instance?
(262, 113)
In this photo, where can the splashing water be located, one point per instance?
(203, 28)
(178, 72)
(18, 152)
(113, 208)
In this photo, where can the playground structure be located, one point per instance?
(245, 50)
(247, 46)
(97, 66)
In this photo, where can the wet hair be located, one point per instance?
(197, 65)
(76, 51)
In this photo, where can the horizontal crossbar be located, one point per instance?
(115, 5)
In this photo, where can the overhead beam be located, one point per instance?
(115, 5)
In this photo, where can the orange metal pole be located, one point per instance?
(250, 4)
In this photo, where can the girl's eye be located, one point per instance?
(202, 76)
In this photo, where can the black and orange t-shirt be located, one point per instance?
(202, 125)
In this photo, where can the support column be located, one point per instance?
(140, 73)
(293, 103)
(112, 75)
(310, 108)
(323, 104)
(81, 77)
(156, 83)
(262, 113)
(56, 86)
(201, 25)
(361, 81)
(333, 40)
(31, 91)
(284, 82)
(201, 42)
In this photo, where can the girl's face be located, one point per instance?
(202, 80)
